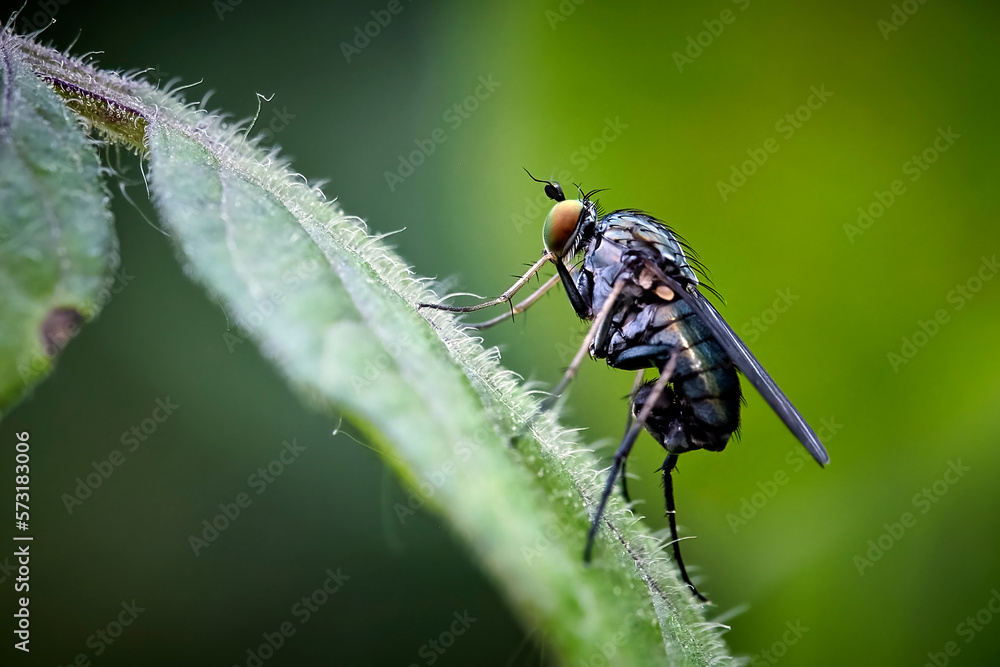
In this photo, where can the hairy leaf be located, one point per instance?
(57, 243)
(335, 310)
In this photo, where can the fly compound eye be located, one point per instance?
(561, 227)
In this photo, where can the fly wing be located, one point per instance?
(749, 366)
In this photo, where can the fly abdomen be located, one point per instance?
(720, 382)
(712, 394)
(656, 332)
(717, 414)
(682, 422)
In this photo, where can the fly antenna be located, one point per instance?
(552, 188)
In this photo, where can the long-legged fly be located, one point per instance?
(639, 289)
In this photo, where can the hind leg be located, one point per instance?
(668, 491)
(628, 424)
(623, 451)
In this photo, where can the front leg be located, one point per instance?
(598, 324)
(581, 307)
(623, 451)
(503, 298)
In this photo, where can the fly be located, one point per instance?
(638, 288)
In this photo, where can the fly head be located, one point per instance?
(570, 224)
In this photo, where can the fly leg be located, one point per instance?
(628, 424)
(625, 448)
(519, 308)
(503, 298)
(599, 327)
(668, 491)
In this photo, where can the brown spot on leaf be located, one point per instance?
(59, 327)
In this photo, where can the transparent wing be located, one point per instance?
(750, 367)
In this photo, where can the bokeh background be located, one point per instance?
(659, 102)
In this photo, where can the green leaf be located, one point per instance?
(335, 309)
(57, 243)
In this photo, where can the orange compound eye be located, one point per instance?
(561, 226)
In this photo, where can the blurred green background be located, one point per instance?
(659, 102)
